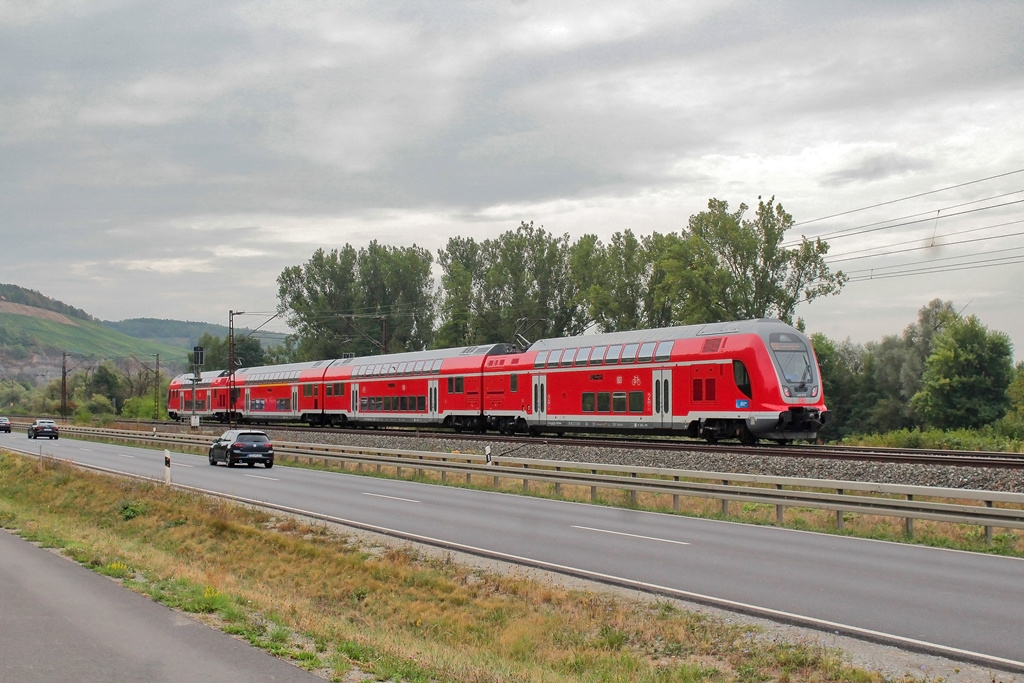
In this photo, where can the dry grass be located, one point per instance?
(319, 599)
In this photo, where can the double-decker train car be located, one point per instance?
(749, 380)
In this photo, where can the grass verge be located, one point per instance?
(319, 599)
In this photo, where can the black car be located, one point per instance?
(5, 425)
(47, 428)
(242, 445)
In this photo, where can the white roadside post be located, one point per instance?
(167, 467)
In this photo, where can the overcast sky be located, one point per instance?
(170, 159)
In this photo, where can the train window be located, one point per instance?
(698, 389)
(567, 357)
(597, 355)
(404, 403)
(739, 372)
(582, 356)
(629, 353)
(513, 383)
(451, 385)
(619, 402)
(436, 370)
(664, 351)
(329, 391)
(401, 368)
(636, 401)
(387, 403)
(284, 404)
(646, 353)
(588, 402)
(604, 402)
(542, 357)
(421, 403)
(339, 388)
(418, 368)
(554, 358)
(392, 370)
(460, 384)
(364, 403)
(612, 357)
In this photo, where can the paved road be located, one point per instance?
(62, 622)
(964, 605)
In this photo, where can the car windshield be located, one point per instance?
(252, 438)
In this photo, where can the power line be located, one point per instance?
(903, 199)
(851, 232)
(849, 256)
(930, 270)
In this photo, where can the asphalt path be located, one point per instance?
(962, 605)
(62, 622)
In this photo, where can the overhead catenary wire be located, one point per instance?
(914, 196)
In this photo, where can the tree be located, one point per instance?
(367, 302)
(525, 281)
(730, 268)
(628, 294)
(966, 377)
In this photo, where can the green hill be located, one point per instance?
(36, 332)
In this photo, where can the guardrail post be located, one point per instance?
(910, 521)
(725, 501)
(988, 528)
(633, 493)
(839, 514)
(780, 515)
(526, 482)
(593, 489)
(675, 498)
(558, 484)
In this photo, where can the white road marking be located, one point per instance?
(256, 476)
(619, 533)
(181, 464)
(87, 450)
(404, 500)
(125, 455)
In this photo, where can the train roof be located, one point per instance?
(479, 350)
(759, 326)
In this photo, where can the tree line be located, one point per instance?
(528, 284)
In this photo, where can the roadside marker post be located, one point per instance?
(167, 467)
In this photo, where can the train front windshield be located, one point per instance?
(793, 357)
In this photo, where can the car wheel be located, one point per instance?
(231, 463)
(268, 464)
(54, 437)
(213, 460)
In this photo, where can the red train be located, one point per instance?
(749, 380)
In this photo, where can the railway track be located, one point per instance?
(976, 459)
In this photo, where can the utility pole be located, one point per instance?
(231, 363)
(64, 386)
(156, 390)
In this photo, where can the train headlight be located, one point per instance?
(814, 392)
(786, 391)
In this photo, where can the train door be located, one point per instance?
(432, 408)
(662, 412)
(246, 407)
(540, 399)
(295, 400)
(354, 392)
